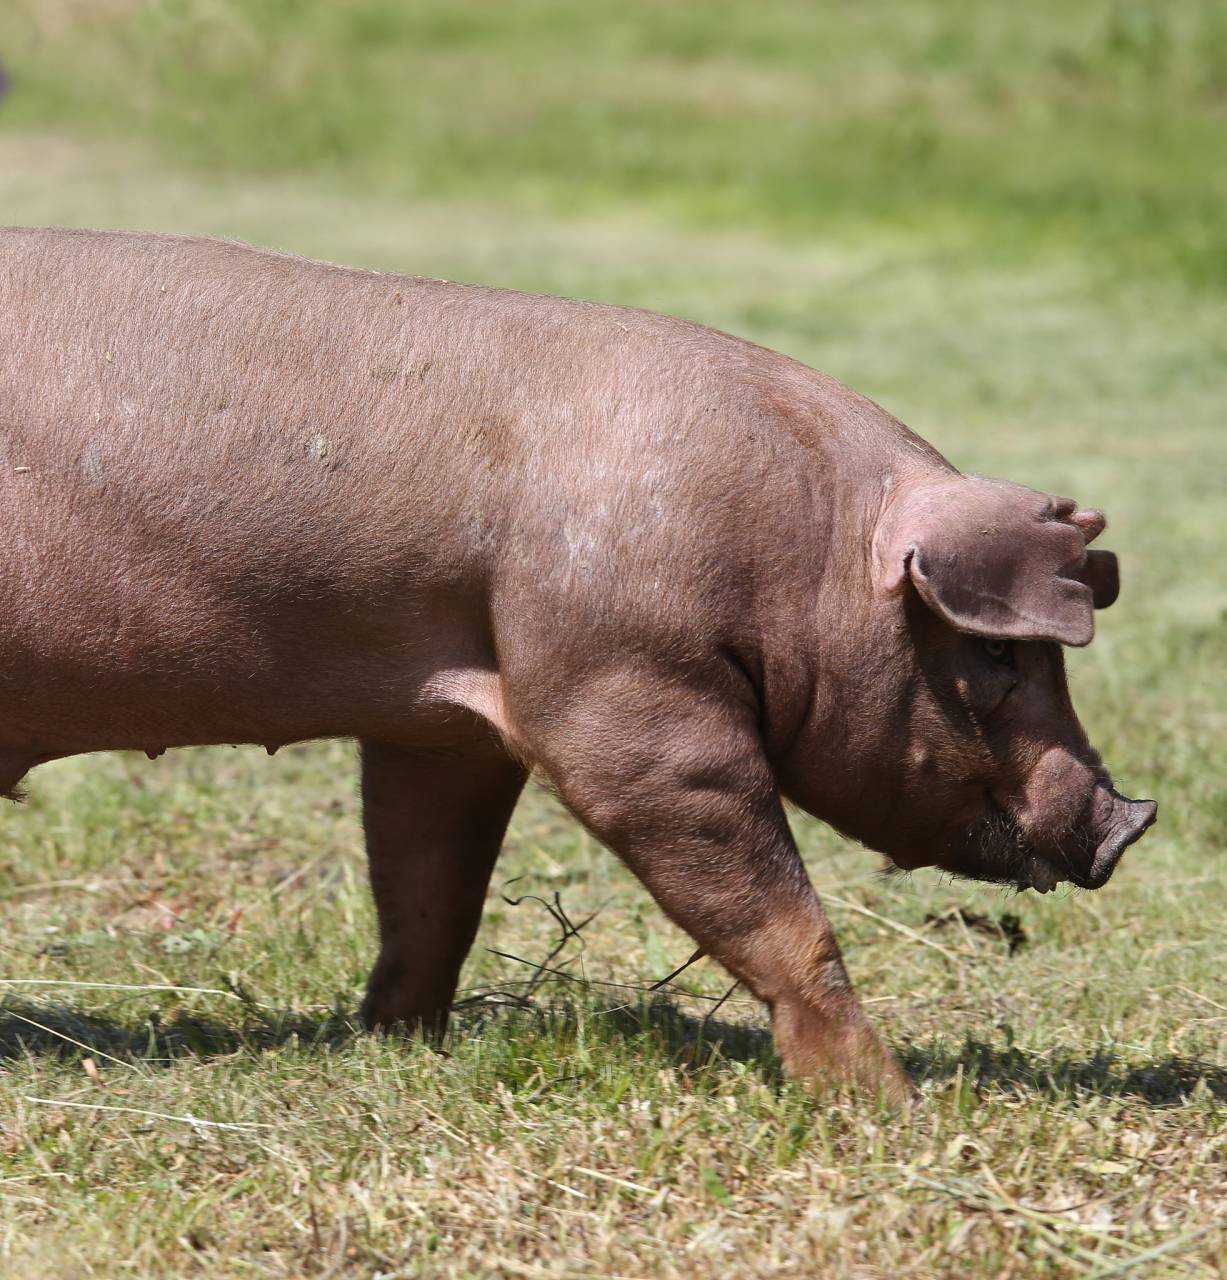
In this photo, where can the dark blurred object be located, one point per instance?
(4, 82)
(1007, 926)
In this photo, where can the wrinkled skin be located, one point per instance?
(251, 498)
(1017, 796)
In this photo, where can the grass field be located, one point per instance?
(999, 129)
(1069, 1049)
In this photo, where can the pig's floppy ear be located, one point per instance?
(999, 560)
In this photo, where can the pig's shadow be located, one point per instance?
(58, 1032)
(54, 1031)
(1162, 1082)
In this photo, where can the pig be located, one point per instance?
(253, 498)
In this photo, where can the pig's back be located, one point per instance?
(218, 459)
(213, 389)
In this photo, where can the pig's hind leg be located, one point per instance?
(434, 826)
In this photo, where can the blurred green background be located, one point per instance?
(1001, 130)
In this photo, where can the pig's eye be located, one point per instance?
(998, 650)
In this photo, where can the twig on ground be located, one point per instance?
(894, 924)
(698, 955)
(562, 976)
(569, 930)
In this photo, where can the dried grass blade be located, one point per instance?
(894, 924)
(137, 1111)
(115, 986)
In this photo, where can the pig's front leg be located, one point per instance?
(678, 786)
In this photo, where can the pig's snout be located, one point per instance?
(1115, 822)
(1109, 824)
(1068, 825)
(1074, 825)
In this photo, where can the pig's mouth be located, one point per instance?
(998, 851)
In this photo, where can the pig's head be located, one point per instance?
(960, 747)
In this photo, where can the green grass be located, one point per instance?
(1006, 229)
(1000, 129)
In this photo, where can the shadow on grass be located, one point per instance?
(1163, 1082)
(678, 1038)
(54, 1031)
(684, 1040)
(695, 1041)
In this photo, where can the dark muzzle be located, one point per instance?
(999, 850)
(1115, 823)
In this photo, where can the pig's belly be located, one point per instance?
(65, 701)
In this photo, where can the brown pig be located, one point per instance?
(253, 498)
